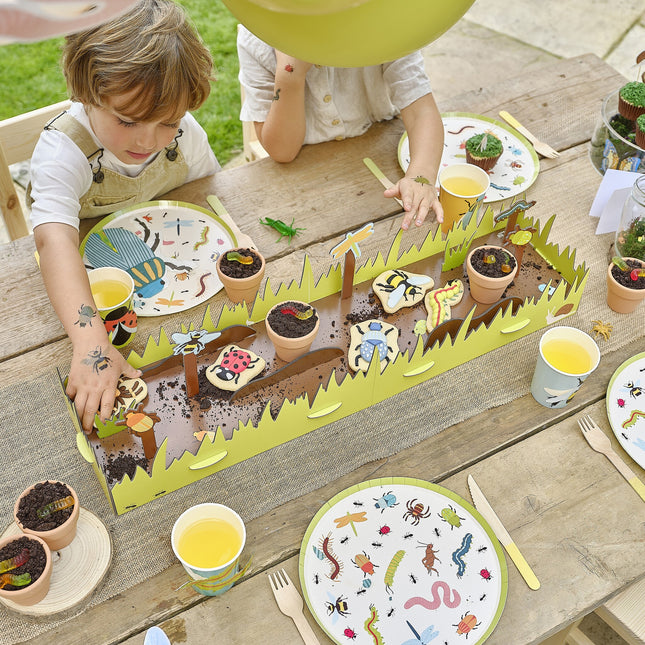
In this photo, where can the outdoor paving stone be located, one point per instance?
(623, 57)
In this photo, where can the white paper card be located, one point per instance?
(612, 180)
(610, 216)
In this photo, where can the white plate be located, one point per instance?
(515, 170)
(187, 238)
(403, 570)
(626, 407)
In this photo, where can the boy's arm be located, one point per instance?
(96, 364)
(283, 131)
(417, 188)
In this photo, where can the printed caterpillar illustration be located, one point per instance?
(633, 418)
(458, 555)
(203, 238)
(370, 626)
(391, 570)
(325, 552)
(436, 600)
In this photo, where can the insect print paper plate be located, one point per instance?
(169, 248)
(626, 407)
(515, 170)
(400, 561)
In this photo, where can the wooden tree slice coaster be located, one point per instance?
(77, 569)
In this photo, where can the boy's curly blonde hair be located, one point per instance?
(152, 48)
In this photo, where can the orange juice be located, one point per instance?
(109, 293)
(566, 356)
(209, 543)
(465, 186)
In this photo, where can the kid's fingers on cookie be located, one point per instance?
(439, 301)
(234, 368)
(397, 289)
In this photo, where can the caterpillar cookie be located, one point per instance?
(234, 368)
(439, 301)
(368, 338)
(397, 289)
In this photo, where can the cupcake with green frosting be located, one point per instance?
(631, 100)
(640, 131)
(483, 150)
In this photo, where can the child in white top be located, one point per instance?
(126, 139)
(293, 103)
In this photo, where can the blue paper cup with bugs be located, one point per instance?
(113, 293)
(208, 540)
(567, 356)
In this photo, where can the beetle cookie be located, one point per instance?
(439, 301)
(129, 393)
(369, 337)
(234, 368)
(397, 289)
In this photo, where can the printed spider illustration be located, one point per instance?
(602, 329)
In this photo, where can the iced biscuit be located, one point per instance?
(369, 337)
(439, 301)
(234, 368)
(397, 289)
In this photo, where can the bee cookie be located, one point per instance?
(397, 289)
(369, 337)
(234, 368)
(439, 301)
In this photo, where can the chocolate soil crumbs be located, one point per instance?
(492, 270)
(624, 277)
(234, 269)
(34, 566)
(288, 325)
(117, 467)
(41, 495)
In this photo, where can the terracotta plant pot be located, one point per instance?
(37, 590)
(56, 538)
(622, 299)
(241, 289)
(288, 349)
(484, 289)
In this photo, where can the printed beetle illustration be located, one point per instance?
(449, 514)
(233, 364)
(364, 563)
(416, 511)
(429, 558)
(466, 625)
(374, 340)
(386, 501)
(400, 284)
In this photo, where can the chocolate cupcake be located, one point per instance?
(483, 150)
(631, 100)
(640, 131)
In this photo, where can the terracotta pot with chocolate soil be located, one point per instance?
(292, 326)
(490, 270)
(32, 573)
(625, 289)
(48, 510)
(241, 271)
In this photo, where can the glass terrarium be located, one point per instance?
(612, 143)
(630, 236)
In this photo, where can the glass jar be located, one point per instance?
(630, 236)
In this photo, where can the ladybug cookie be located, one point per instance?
(234, 368)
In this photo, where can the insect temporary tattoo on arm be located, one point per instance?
(288, 68)
(97, 360)
(276, 96)
(85, 315)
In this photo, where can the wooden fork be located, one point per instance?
(600, 442)
(540, 147)
(290, 603)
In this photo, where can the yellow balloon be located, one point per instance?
(308, 6)
(374, 32)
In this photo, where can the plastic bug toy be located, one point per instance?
(285, 230)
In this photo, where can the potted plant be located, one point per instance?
(490, 270)
(292, 326)
(48, 510)
(241, 271)
(26, 566)
(625, 284)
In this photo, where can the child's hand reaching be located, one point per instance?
(419, 198)
(92, 381)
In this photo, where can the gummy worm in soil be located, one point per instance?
(15, 562)
(234, 256)
(16, 580)
(458, 555)
(58, 505)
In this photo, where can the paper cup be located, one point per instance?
(460, 187)
(113, 293)
(218, 574)
(567, 357)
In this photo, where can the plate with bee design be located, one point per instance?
(402, 560)
(169, 248)
(626, 406)
(515, 170)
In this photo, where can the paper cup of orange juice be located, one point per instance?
(113, 293)
(567, 357)
(208, 540)
(462, 188)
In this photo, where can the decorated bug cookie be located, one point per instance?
(234, 368)
(439, 302)
(129, 393)
(369, 337)
(397, 289)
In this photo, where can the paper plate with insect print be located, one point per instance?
(169, 248)
(405, 561)
(515, 170)
(626, 407)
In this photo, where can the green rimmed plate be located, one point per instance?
(404, 561)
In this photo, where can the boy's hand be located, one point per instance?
(93, 379)
(419, 197)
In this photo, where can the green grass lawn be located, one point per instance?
(30, 76)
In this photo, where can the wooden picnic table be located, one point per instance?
(574, 518)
